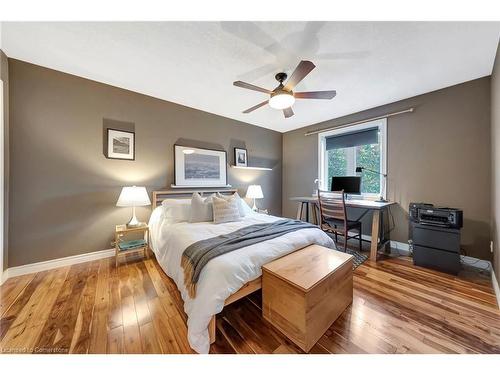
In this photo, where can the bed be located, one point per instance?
(224, 279)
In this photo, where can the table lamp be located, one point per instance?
(254, 192)
(384, 181)
(132, 196)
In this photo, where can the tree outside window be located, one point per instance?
(343, 162)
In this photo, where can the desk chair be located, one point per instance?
(333, 216)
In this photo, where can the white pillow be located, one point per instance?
(246, 208)
(176, 210)
(226, 210)
(243, 207)
(201, 209)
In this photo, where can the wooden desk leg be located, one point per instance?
(299, 210)
(375, 230)
(211, 329)
(316, 214)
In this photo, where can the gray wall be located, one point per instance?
(63, 189)
(438, 154)
(495, 163)
(4, 76)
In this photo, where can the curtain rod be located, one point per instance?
(359, 122)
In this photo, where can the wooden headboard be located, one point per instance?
(160, 195)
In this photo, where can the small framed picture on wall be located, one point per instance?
(121, 144)
(240, 157)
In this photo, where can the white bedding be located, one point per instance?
(224, 275)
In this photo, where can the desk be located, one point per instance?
(376, 207)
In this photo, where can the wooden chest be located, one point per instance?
(303, 293)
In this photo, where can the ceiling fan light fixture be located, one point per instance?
(283, 96)
(282, 100)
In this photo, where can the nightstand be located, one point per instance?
(121, 231)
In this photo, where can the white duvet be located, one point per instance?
(224, 275)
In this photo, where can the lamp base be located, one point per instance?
(133, 224)
(254, 206)
(381, 200)
(133, 221)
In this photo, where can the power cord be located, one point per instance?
(391, 227)
(392, 218)
(472, 263)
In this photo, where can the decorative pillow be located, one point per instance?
(225, 210)
(243, 207)
(176, 210)
(247, 210)
(201, 209)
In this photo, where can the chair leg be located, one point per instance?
(360, 241)
(345, 242)
(336, 237)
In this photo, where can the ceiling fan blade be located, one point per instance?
(315, 94)
(255, 107)
(302, 70)
(288, 112)
(249, 86)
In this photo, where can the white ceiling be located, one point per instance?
(195, 63)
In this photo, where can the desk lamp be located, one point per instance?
(384, 181)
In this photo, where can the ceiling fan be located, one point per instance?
(282, 97)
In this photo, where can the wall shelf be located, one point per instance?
(199, 187)
(254, 168)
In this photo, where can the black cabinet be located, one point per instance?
(436, 247)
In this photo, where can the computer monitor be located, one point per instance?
(350, 184)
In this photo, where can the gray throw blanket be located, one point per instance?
(197, 255)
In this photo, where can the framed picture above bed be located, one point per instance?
(199, 167)
(120, 144)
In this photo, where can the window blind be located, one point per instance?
(357, 138)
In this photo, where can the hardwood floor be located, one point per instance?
(95, 308)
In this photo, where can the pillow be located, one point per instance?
(176, 210)
(246, 208)
(201, 209)
(243, 207)
(226, 210)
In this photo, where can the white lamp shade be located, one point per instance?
(282, 101)
(254, 192)
(132, 196)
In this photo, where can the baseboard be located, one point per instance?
(402, 247)
(3, 277)
(55, 263)
(496, 286)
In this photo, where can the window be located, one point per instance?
(362, 145)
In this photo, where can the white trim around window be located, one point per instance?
(2, 181)
(322, 165)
